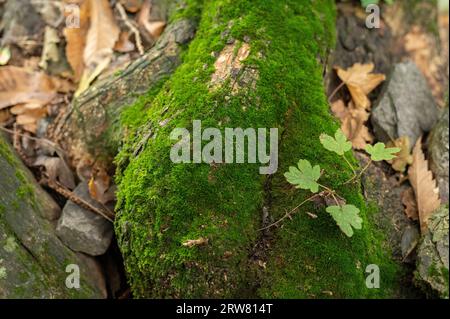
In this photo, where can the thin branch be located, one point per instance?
(37, 139)
(78, 200)
(289, 214)
(335, 91)
(133, 29)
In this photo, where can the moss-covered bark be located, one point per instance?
(162, 204)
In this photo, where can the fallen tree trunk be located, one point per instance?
(91, 128)
(191, 229)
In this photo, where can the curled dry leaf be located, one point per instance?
(409, 201)
(152, 28)
(124, 44)
(100, 188)
(5, 115)
(132, 6)
(57, 170)
(18, 85)
(404, 157)
(424, 185)
(101, 37)
(76, 40)
(195, 242)
(352, 123)
(360, 82)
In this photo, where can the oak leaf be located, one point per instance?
(404, 157)
(424, 185)
(19, 85)
(409, 201)
(353, 123)
(360, 82)
(101, 37)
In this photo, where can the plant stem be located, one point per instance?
(349, 164)
(360, 173)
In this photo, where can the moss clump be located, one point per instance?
(162, 204)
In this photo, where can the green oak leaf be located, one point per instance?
(346, 217)
(338, 144)
(379, 152)
(305, 176)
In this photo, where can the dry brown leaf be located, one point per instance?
(5, 115)
(76, 41)
(132, 6)
(404, 157)
(31, 116)
(421, 47)
(409, 201)
(352, 123)
(100, 188)
(195, 242)
(153, 28)
(424, 185)
(18, 85)
(124, 44)
(100, 40)
(57, 170)
(360, 82)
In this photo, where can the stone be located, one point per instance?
(432, 255)
(33, 259)
(22, 25)
(410, 239)
(405, 107)
(438, 150)
(83, 230)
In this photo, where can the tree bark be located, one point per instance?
(91, 128)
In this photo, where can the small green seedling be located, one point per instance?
(306, 176)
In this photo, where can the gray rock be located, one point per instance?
(83, 230)
(438, 150)
(33, 260)
(410, 239)
(406, 106)
(22, 25)
(432, 255)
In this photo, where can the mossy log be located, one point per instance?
(33, 260)
(247, 68)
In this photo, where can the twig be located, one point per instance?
(335, 91)
(289, 214)
(137, 35)
(360, 173)
(37, 139)
(77, 200)
(18, 147)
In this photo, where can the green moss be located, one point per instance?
(161, 204)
